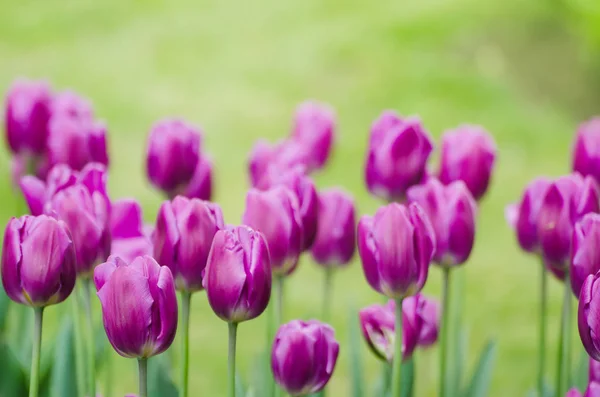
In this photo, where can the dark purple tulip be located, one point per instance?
(129, 239)
(594, 370)
(70, 104)
(589, 307)
(314, 127)
(585, 256)
(430, 312)
(139, 306)
(184, 232)
(26, 118)
(275, 214)
(452, 211)
(281, 156)
(336, 233)
(586, 149)
(38, 261)
(396, 247)
(304, 356)
(397, 155)
(238, 274)
(468, 155)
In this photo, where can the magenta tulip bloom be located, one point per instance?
(585, 256)
(452, 211)
(589, 306)
(396, 247)
(281, 156)
(397, 155)
(314, 127)
(594, 370)
(573, 393)
(70, 104)
(38, 261)
(468, 155)
(139, 306)
(430, 312)
(238, 274)
(184, 232)
(276, 215)
(304, 356)
(336, 233)
(586, 149)
(129, 239)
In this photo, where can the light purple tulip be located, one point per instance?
(314, 127)
(139, 306)
(589, 307)
(594, 371)
(396, 247)
(304, 356)
(238, 274)
(430, 312)
(593, 390)
(38, 261)
(585, 256)
(70, 104)
(336, 233)
(129, 239)
(452, 211)
(281, 156)
(573, 393)
(586, 149)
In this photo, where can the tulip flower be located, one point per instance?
(430, 312)
(594, 370)
(589, 304)
(70, 104)
(468, 155)
(281, 156)
(304, 356)
(573, 393)
(38, 269)
(586, 149)
(129, 239)
(139, 308)
(585, 257)
(397, 155)
(314, 127)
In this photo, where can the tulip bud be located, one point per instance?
(283, 155)
(200, 186)
(396, 246)
(139, 306)
(70, 104)
(593, 390)
(27, 115)
(184, 232)
(314, 127)
(586, 149)
(38, 261)
(585, 258)
(304, 356)
(573, 392)
(238, 274)
(397, 155)
(336, 237)
(468, 155)
(275, 214)
(589, 305)
(452, 211)
(127, 231)
(430, 313)
(594, 371)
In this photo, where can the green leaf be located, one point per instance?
(382, 386)
(64, 370)
(482, 376)
(239, 386)
(581, 373)
(5, 304)
(262, 378)
(356, 363)
(160, 383)
(408, 378)
(13, 380)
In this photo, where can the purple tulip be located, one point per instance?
(430, 313)
(336, 233)
(586, 149)
(594, 370)
(573, 393)
(129, 239)
(200, 186)
(468, 155)
(275, 214)
(314, 127)
(452, 211)
(589, 306)
(585, 256)
(139, 306)
(396, 246)
(27, 115)
(593, 390)
(238, 274)
(304, 356)
(38, 261)
(265, 159)
(397, 155)
(70, 104)
(184, 232)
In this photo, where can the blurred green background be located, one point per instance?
(528, 70)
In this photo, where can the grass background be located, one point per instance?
(526, 70)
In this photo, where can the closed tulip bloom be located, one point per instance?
(139, 306)
(304, 356)
(468, 155)
(200, 186)
(314, 127)
(452, 211)
(397, 155)
(184, 232)
(594, 370)
(336, 233)
(69, 103)
(396, 247)
(586, 149)
(129, 239)
(276, 215)
(585, 257)
(430, 313)
(281, 156)
(38, 261)
(238, 274)
(573, 392)
(593, 390)
(589, 306)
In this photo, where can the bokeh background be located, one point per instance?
(528, 70)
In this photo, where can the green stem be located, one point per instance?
(445, 329)
(231, 358)
(327, 292)
(185, 340)
(79, 347)
(108, 365)
(34, 380)
(143, 377)
(91, 345)
(397, 360)
(542, 330)
(564, 345)
(278, 316)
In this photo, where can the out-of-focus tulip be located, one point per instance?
(594, 370)
(201, 185)
(184, 232)
(593, 390)
(70, 104)
(304, 356)
(396, 247)
(281, 156)
(38, 261)
(468, 155)
(397, 155)
(139, 306)
(238, 274)
(589, 307)
(129, 239)
(314, 127)
(452, 211)
(336, 236)
(573, 393)
(26, 116)
(275, 214)
(430, 312)
(586, 149)
(585, 257)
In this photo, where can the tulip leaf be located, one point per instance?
(64, 371)
(13, 380)
(581, 373)
(482, 375)
(5, 304)
(356, 363)
(382, 386)
(160, 383)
